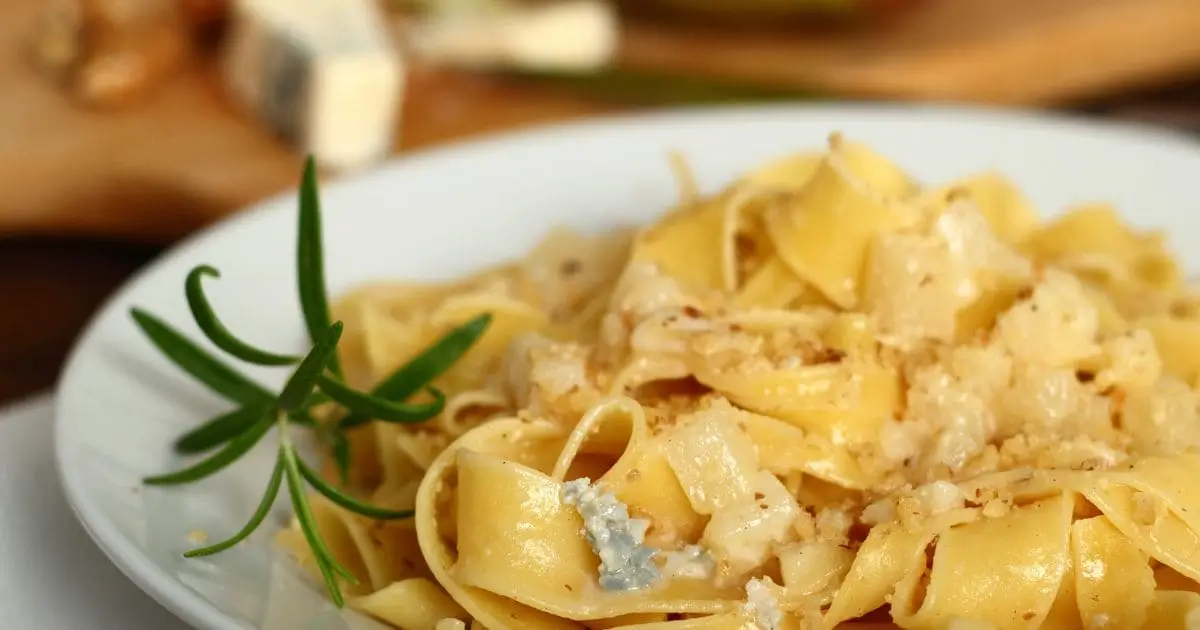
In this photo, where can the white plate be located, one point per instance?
(442, 213)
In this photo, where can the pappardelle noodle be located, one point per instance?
(826, 396)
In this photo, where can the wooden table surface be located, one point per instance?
(50, 285)
(190, 156)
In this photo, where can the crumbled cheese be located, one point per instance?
(761, 604)
(834, 523)
(1085, 453)
(741, 535)
(879, 512)
(559, 369)
(1055, 327)
(1043, 398)
(1133, 361)
(964, 423)
(643, 290)
(450, 623)
(1163, 420)
(981, 370)
(518, 365)
(805, 525)
(901, 440)
(939, 497)
(625, 563)
(912, 289)
(691, 562)
(1099, 621)
(971, 240)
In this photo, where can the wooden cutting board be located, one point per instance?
(187, 157)
(1006, 52)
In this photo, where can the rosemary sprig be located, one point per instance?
(315, 380)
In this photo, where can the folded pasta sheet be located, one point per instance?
(826, 396)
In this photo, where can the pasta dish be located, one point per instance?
(826, 396)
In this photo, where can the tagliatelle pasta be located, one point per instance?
(825, 397)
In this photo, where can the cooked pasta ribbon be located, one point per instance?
(826, 396)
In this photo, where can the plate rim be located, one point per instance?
(198, 611)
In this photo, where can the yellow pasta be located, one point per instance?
(824, 397)
(963, 581)
(1114, 582)
(689, 245)
(772, 285)
(833, 201)
(999, 201)
(1178, 340)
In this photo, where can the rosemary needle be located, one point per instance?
(316, 380)
(212, 327)
(378, 408)
(300, 385)
(233, 450)
(204, 367)
(219, 430)
(346, 501)
(264, 508)
(310, 260)
(411, 377)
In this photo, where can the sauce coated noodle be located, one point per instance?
(827, 396)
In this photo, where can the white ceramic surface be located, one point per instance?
(51, 574)
(445, 212)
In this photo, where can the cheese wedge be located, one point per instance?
(322, 74)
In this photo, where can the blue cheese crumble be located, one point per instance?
(625, 563)
(761, 605)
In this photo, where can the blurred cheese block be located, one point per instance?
(571, 35)
(323, 74)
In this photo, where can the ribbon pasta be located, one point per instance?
(824, 397)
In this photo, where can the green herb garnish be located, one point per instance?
(316, 380)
